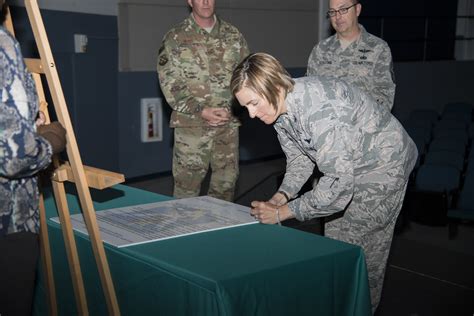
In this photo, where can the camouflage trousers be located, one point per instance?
(369, 222)
(198, 148)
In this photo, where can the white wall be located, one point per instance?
(102, 7)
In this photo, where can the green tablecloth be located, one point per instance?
(247, 270)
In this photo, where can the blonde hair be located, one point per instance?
(263, 74)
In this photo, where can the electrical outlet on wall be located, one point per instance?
(151, 119)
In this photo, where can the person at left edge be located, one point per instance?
(195, 64)
(24, 151)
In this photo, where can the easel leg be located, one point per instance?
(71, 249)
(46, 258)
(78, 175)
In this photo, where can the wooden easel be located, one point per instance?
(74, 171)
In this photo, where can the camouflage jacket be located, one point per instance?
(352, 140)
(367, 63)
(22, 152)
(195, 68)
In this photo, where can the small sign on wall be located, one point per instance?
(151, 120)
(80, 43)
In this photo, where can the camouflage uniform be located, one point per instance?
(365, 156)
(22, 152)
(367, 63)
(195, 68)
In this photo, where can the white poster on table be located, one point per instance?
(132, 225)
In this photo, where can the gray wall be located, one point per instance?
(103, 7)
(273, 26)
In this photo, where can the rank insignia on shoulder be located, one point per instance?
(163, 60)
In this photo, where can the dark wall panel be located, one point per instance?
(406, 24)
(96, 103)
(88, 80)
(137, 158)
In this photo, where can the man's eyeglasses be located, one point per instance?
(332, 13)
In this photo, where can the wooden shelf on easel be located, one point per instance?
(96, 178)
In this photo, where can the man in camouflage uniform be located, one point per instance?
(195, 64)
(22, 154)
(363, 152)
(354, 55)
